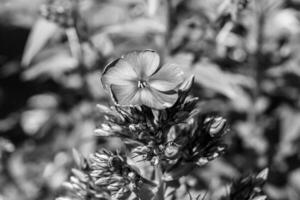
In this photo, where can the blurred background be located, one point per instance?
(244, 55)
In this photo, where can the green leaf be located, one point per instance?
(177, 172)
(159, 192)
(51, 62)
(210, 76)
(40, 34)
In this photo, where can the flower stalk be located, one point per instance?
(167, 130)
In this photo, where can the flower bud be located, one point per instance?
(171, 151)
(216, 126)
(122, 193)
(115, 162)
(154, 161)
(103, 181)
(202, 161)
(80, 175)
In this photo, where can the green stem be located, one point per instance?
(169, 27)
(170, 191)
(256, 60)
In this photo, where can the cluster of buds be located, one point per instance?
(169, 130)
(105, 175)
(198, 141)
(179, 134)
(248, 188)
(61, 12)
(201, 139)
(167, 136)
(194, 144)
(146, 126)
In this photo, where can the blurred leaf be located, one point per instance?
(294, 181)
(33, 120)
(40, 34)
(52, 63)
(136, 28)
(55, 173)
(159, 192)
(93, 82)
(105, 14)
(5, 146)
(90, 55)
(290, 131)
(282, 22)
(252, 136)
(19, 12)
(177, 172)
(43, 101)
(230, 85)
(153, 6)
(103, 43)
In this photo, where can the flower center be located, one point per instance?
(142, 84)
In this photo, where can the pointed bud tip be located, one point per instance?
(103, 133)
(262, 197)
(77, 157)
(263, 174)
(187, 84)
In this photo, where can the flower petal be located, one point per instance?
(167, 78)
(118, 72)
(167, 99)
(155, 99)
(124, 94)
(144, 62)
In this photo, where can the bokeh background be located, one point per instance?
(244, 55)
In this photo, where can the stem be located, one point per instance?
(169, 27)
(170, 191)
(74, 42)
(256, 60)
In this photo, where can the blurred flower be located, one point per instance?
(137, 79)
(61, 12)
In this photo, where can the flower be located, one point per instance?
(137, 79)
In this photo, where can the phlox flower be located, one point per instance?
(138, 79)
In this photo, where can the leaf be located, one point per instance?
(40, 34)
(33, 120)
(153, 6)
(230, 85)
(290, 129)
(179, 171)
(78, 158)
(263, 174)
(159, 193)
(52, 62)
(136, 28)
(103, 43)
